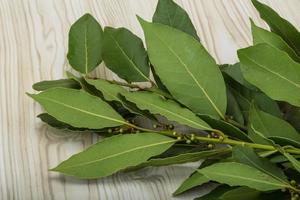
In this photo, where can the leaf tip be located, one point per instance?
(30, 95)
(54, 169)
(141, 20)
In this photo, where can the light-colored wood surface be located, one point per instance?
(33, 45)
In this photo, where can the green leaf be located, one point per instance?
(279, 25)
(263, 125)
(215, 194)
(237, 174)
(272, 71)
(183, 158)
(226, 128)
(292, 115)
(124, 54)
(78, 108)
(247, 156)
(235, 73)
(233, 108)
(158, 82)
(195, 79)
(85, 44)
(168, 108)
(261, 35)
(245, 93)
(51, 121)
(169, 13)
(84, 85)
(245, 97)
(294, 161)
(196, 179)
(66, 83)
(239, 193)
(113, 154)
(109, 90)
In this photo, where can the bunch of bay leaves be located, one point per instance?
(245, 118)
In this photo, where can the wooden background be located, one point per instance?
(33, 46)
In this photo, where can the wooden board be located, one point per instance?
(33, 45)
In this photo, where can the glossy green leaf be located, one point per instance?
(263, 125)
(226, 128)
(279, 25)
(239, 193)
(233, 108)
(224, 192)
(78, 108)
(272, 71)
(237, 174)
(84, 85)
(85, 44)
(293, 160)
(169, 13)
(215, 194)
(168, 108)
(158, 82)
(66, 83)
(261, 35)
(183, 158)
(109, 90)
(196, 179)
(113, 154)
(186, 69)
(247, 156)
(245, 97)
(53, 122)
(245, 93)
(235, 73)
(292, 115)
(124, 54)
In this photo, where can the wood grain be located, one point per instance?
(33, 46)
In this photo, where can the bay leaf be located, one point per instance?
(78, 108)
(85, 44)
(243, 193)
(279, 25)
(226, 128)
(238, 174)
(186, 69)
(53, 122)
(183, 158)
(196, 179)
(169, 13)
(45, 85)
(114, 154)
(233, 108)
(247, 156)
(109, 90)
(124, 54)
(272, 71)
(216, 193)
(263, 125)
(295, 162)
(235, 73)
(261, 35)
(168, 108)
